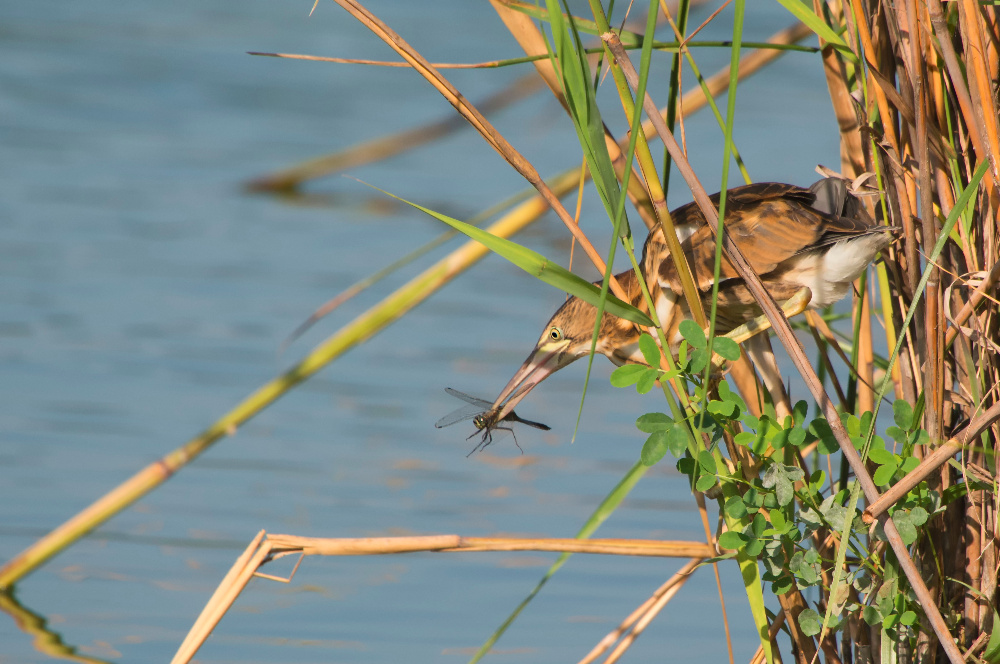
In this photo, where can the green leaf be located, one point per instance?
(725, 409)
(781, 478)
(735, 508)
(909, 463)
(992, 652)
(799, 412)
(810, 622)
(699, 360)
(650, 351)
(871, 615)
(726, 348)
(651, 422)
(902, 414)
(918, 515)
(705, 482)
(677, 441)
(779, 521)
(654, 448)
(539, 266)
(883, 474)
(691, 331)
(908, 617)
(726, 394)
(827, 444)
(907, 531)
(732, 540)
(646, 381)
(627, 374)
(754, 547)
(880, 455)
(707, 462)
(783, 585)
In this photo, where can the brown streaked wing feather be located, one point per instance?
(770, 222)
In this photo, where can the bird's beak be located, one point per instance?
(542, 362)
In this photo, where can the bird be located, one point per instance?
(819, 238)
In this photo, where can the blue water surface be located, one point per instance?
(145, 293)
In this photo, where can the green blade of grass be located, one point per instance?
(805, 14)
(537, 265)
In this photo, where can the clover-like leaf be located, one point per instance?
(827, 442)
(735, 508)
(654, 448)
(646, 381)
(732, 540)
(651, 422)
(904, 524)
(726, 348)
(650, 351)
(627, 374)
(691, 331)
(724, 409)
(902, 414)
(880, 455)
(810, 622)
(883, 474)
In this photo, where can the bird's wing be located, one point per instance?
(770, 222)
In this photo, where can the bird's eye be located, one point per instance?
(555, 334)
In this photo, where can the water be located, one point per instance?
(144, 294)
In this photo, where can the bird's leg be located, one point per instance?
(793, 306)
(759, 349)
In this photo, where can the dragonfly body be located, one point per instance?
(485, 417)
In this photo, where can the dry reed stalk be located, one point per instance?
(265, 548)
(933, 112)
(482, 125)
(932, 462)
(530, 39)
(652, 605)
(794, 348)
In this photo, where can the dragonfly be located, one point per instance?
(484, 418)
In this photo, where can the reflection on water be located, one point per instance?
(144, 294)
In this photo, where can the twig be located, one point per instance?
(932, 463)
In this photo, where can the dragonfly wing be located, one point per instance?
(481, 403)
(463, 413)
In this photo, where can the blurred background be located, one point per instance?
(145, 293)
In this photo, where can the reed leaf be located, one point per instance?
(538, 266)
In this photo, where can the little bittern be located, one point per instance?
(819, 238)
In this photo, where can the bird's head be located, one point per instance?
(566, 337)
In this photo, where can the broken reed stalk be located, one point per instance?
(648, 609)
(265, 548)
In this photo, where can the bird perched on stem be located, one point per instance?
(820, 238)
